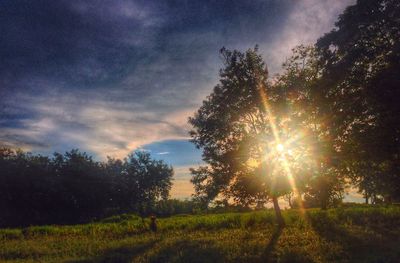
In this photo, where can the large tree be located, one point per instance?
(309, 110)
(251, 146)
(361, 59)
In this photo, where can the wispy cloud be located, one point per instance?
(102, 127)
(110, 77)
(308, 21)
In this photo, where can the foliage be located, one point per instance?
(324, 191)
(239, 128)
(226, 127)
(361, 59)
(309, 113)
(335, 106)
(72, 188)
(175, 206)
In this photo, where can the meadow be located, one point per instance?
(355, 234)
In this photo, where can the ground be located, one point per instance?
(361, 234)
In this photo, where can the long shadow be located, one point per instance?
(270, 254)
(189, 251)
(180, 251)
(123, 254)
(359, 245)
(269, 249)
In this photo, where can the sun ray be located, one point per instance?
(280, 145)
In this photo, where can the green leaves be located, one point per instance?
(229, 121)
(73, 188)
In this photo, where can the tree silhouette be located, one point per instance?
(241, 131)
(73, 188)
(361, 59)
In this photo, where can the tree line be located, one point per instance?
(73, 188)
(330, 119)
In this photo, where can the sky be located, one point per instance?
(112, 77)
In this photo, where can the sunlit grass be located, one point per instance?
(337, 235)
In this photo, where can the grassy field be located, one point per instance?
(339, 235)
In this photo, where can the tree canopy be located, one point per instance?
(361, 59)
(329, 120)
(73, 188)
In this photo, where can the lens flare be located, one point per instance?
(280, 147)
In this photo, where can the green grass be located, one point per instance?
(355, 234)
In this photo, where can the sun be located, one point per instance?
(280, 148)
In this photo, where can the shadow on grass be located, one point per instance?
(360, 243)
(180, 251)
(188, 251)
(123, 254)
(269, 255)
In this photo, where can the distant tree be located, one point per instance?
(175, 206)
(26, 188)
(82, 186)
(324, 191)
(73, 188)
(146, 181)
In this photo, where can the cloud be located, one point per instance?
(110, 77)
(308, 21)
(101, 127)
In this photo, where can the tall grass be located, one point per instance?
(336, 235)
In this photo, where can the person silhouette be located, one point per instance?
(153, 224)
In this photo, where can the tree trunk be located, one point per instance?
(290, 202)
(374, 199)
(278, 214)
(324, 204)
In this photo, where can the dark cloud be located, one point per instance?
(88, 43)
(111, 76)
(72, 41)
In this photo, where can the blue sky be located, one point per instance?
(110, 77)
